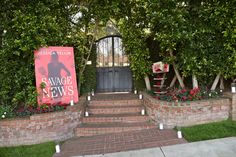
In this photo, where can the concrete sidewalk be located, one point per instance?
(225, 147)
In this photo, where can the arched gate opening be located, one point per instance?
(113, 67)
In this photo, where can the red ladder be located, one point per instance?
(159, 81)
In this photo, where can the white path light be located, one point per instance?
(179, 134)
(161, 126)
(92, 93)
(143, 112)
(71, 103)
(140, 96)
(89, 98)
(233, 87)
(86, 114)
(58, 150)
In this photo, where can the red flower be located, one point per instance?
(190, 98)
(192, 92)
(184, 98)
(174, 98)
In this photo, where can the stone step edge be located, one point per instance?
(111, 107)
(121, 105)
(131, 114)
(117, 119)
(115, 125)
(108, 130)
(114, 100)
(113, 111)
(135, 132)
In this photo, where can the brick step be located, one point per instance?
(105, 118)
(115, 102)
(115, 96)
(106, 128)
(114, 109)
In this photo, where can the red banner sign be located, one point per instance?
(55, 75)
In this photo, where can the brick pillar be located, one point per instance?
(234, 106)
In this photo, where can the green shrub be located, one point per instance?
(6, 111)
(88, 82)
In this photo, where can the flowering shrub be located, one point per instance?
(8, 112)
(22, 111)
(188, 95)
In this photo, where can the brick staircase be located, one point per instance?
(113, 114)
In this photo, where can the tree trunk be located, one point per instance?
(222, 83)
(181, 82)
(195, 82)
(173, 81)
(85, 59)
(147, 82)
(213, 87)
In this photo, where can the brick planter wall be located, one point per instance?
(173, 114)
(54, 126)
(233, 96)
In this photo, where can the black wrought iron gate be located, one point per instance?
(113, 72)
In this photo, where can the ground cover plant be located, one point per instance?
(38, 150)
(210, 131)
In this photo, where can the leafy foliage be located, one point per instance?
(202, 35)
(133, 25)
(6, 111)
(89, 77)
(138, 53)
(24, 30)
